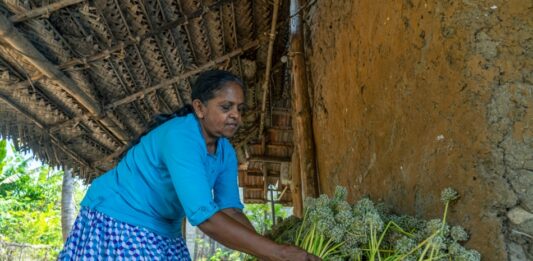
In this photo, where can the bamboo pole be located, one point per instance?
(272, 37)
(11, 36)
(303, 134)
(45, 10)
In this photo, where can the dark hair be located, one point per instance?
(203, 89)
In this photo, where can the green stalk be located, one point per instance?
(432, 252)
(420, 245)
(332, 250)
(373, 244)
(320, 244)
(442, 256)
(300, 230)
(425, 251)
(444, 217)
(307, 239)
(400, 230)
(323, 250)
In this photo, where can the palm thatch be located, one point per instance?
(81, 79)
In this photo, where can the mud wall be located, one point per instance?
(410, 97)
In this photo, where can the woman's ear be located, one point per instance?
(198, 107)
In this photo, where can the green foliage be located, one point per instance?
(260, 215)
(3, 153)
(227, 255)
(30, 201)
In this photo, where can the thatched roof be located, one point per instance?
(80, 79)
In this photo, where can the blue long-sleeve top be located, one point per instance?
(168, 175)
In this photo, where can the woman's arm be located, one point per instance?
(233, 234)
(239, 217)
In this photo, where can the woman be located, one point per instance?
(185, 166)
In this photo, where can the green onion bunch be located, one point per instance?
(333, 229)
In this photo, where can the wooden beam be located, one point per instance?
(168, 82)
(262, 201)
(259, 173)
(182, 20)
(269, 159)
(17, 41)
(10, 35)
(85, 61)
(272, 37)
(301, 107)
(45, 10)
(253, 189)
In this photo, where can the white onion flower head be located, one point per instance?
(404, 245)
(340, 193)
(458, 234)
(448, 195)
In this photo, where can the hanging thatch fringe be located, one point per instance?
(54, 140)
(45, 10)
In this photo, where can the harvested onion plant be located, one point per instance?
(335, 230)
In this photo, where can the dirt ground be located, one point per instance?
(410, 97)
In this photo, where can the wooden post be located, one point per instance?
(303, 128)
(296, 185)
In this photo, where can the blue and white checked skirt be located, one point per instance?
(96, 236)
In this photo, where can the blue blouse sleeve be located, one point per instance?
(182, 155)
(226, 189)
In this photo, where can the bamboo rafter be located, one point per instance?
(121, 45)
(166, 83)
(10, 35)
(135, 59)
(20, 44)
(45, 10)
(272, 37)
(163, 84)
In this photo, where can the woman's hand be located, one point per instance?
(235, 234)
(295, 253)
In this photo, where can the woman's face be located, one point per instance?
(221, 116)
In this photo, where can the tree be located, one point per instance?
(30, 211)
(68, 209)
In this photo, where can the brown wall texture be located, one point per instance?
(410, 97)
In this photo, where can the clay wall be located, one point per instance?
(410, 97)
